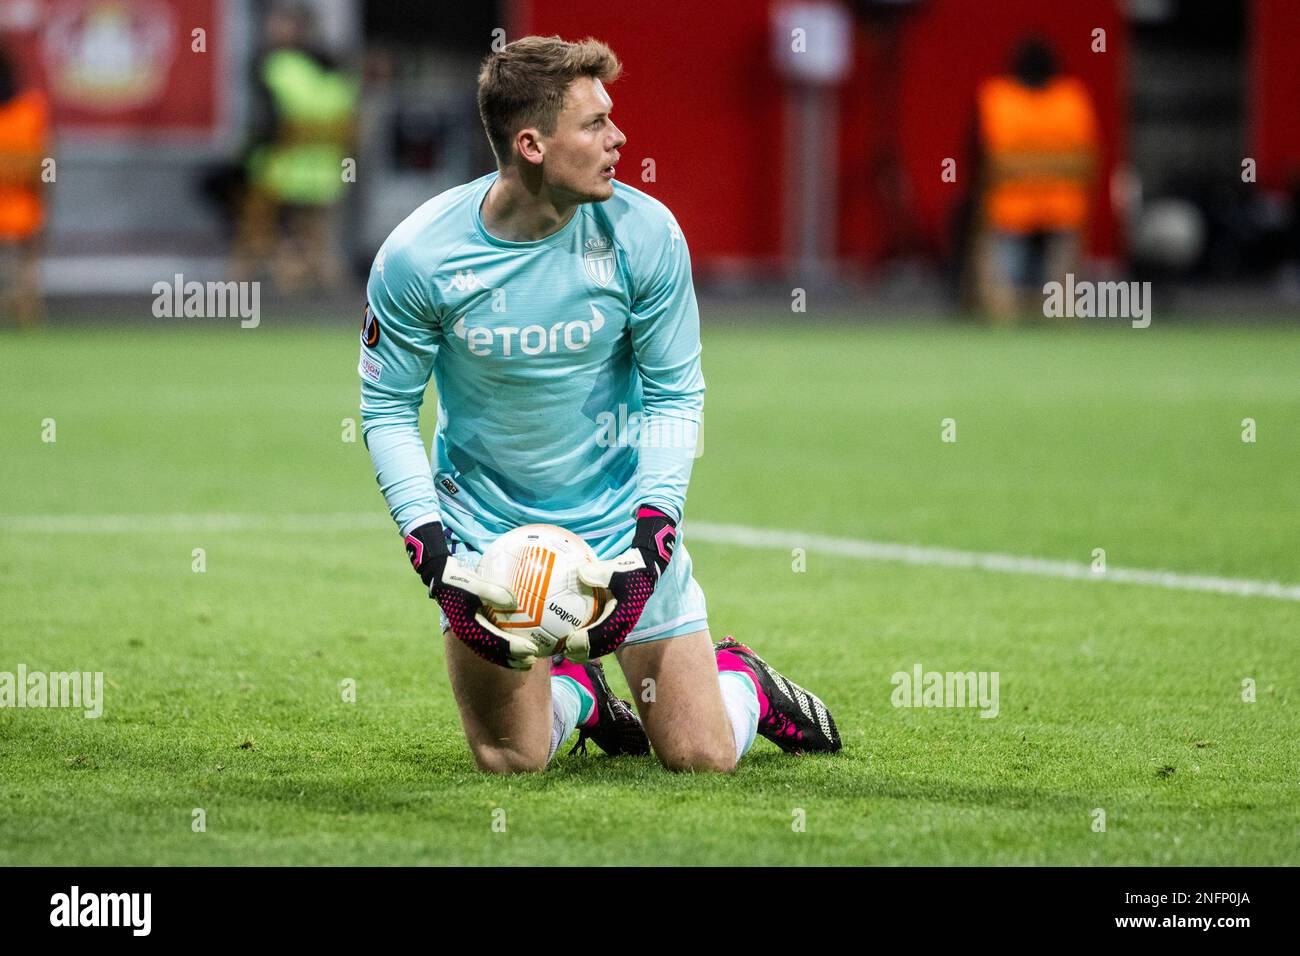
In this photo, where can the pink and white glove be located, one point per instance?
(631, 578)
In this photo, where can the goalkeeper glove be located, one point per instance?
(461, 593)
(631, 579)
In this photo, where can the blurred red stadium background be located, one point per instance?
(701, 96)
(703, 99)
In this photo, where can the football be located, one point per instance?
(539, 564)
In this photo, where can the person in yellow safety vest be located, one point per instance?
(295, 168)
(1038, 144)
(24, 146)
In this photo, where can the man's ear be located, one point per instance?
(528, 142)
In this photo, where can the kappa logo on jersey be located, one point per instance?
(598, 260)
(465, 281)
(531, 339)
(369, 328)
(674, 232)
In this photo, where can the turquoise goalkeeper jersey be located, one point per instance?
(567, 369)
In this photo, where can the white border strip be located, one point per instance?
(707, 532)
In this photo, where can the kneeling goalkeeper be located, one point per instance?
(552, 304)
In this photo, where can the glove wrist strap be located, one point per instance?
(655, 537)
(426, 547)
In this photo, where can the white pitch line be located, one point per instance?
(704, 531)
(982, 560)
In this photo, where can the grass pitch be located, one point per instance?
(223, 688)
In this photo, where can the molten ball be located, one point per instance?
(539, 564)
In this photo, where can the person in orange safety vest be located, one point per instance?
(24, 146)
(1037, 135)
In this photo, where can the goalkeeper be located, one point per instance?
(554, 309)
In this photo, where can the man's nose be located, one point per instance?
(619, 139)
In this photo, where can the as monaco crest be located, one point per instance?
(599, 260)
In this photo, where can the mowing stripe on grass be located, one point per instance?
(705, 531)
(211, 521)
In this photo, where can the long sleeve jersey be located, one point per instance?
(567, 369)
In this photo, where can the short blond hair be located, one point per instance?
(523, 84)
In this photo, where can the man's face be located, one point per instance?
(581, 153)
